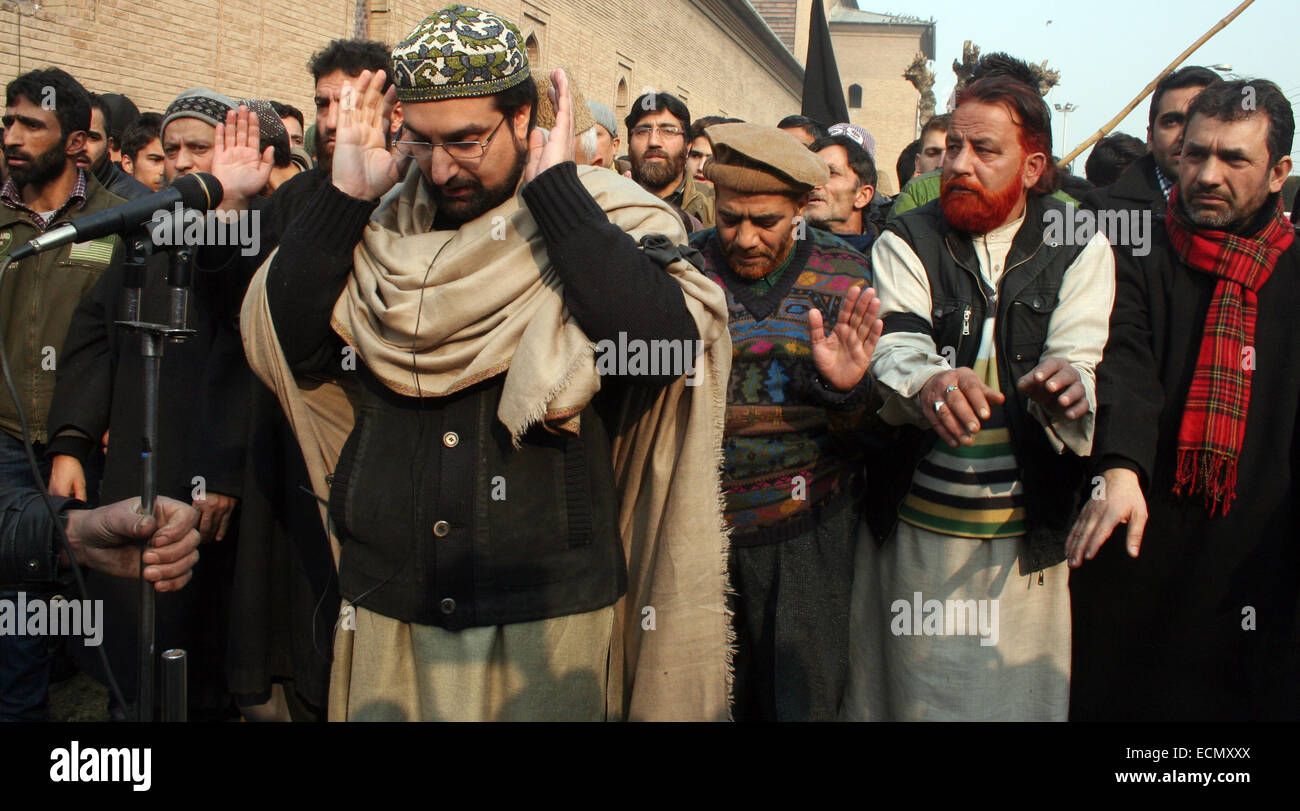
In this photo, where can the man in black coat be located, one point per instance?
(1197, 444)
(286, 598)
(202, 423)
(1147, 181)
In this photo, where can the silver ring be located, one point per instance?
(951, 389)
(938, 406)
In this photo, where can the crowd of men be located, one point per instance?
(490, 421)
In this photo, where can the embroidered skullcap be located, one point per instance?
(459, 52)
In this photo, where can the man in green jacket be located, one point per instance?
(46, 117)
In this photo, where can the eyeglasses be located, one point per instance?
(459, 150)
(666, 130)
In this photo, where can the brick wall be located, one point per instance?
(153, 49)
(875, 59)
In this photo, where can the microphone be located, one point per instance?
(200, 190)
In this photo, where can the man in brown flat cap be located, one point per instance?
(792, 474)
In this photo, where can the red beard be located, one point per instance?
(978, 211)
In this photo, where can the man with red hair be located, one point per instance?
(993, 329)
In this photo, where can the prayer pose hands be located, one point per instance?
(1056, 386)
(953, 399)
(236, 163)
(842, 357)
(1122, 503)
(543, 152)
(363, 166)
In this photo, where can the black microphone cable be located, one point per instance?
(45, 495)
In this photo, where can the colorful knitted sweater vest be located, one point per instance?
(789, 444)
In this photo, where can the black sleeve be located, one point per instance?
(611, 285)
(309, 272)
(224, 269)
(83, 383)
(1129, 394)
(28, 552)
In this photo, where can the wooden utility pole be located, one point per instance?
(1146, 91)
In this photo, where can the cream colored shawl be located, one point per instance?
(431, 312)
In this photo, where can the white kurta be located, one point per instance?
(951, 628)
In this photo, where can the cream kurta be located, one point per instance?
(949, 628)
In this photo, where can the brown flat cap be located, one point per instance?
(754, 159)
(582, 118)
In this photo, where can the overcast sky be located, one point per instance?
(1108, 50)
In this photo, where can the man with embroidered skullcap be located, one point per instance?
(843, 204)
(798, 394)
(514, 539)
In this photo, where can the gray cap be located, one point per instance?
(201, 103)
(604, 117)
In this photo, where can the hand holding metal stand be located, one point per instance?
(153, 337)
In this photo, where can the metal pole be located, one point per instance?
(151, 345)
(175, 691)
(152, 340)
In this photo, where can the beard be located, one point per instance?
(970, 207)
(755, 263)
(325, 150)
(40, 170)
(657, 175)
(1222, 219)
(480, 199)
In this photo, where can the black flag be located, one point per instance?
(823, 95)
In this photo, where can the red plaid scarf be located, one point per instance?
(1214, 420)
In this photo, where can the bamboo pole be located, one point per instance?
(1146, 91)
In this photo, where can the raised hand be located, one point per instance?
(842, 357)
(236, 162)
(363, 167)
(543, 153)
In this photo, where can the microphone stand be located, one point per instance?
(153, 336)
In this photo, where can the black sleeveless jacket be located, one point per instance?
(1024, 302)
